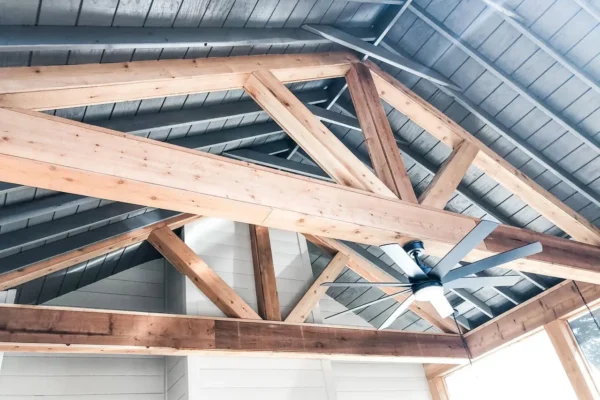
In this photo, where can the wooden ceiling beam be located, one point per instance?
(82, 159)
(264, 273)
(381, 144)
(450, 133)
(70, 330)
(52, 87)
(68, 259)
(202, 276)
(560, 302)
(312, 296)
(310, 134)
(446, 181)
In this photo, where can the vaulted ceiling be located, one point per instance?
(527, 74)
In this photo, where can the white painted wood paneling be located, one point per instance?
(94, 377)
(136, 289)
(384, 381)
(225, 246)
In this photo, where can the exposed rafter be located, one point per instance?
(38, 38)
(32, 264)
(517, 87)
(452, 135)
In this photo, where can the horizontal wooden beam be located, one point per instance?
(65, 260)
(92, 161)
(560, 302)
(450, 133)
(200, 274)
(69, 330)
(44, 88)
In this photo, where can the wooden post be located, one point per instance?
(264, 274)
(572, 359)
(438, 388)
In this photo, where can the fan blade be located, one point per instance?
(370, 303)
(403, 260)
(478, 283)
(492, 261)
(366, 284)
(464, 247)
(442, 305)
(398, 311)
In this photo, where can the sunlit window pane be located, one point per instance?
(528, 369)
(588, 336)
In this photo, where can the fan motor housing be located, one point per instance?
(425, 291)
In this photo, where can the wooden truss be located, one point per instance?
(371, 207)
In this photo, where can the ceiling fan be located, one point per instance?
(427, 284)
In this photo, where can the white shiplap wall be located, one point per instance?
(94, 377)
(225, 246)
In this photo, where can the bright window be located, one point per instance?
(528, 369)
(588, 337)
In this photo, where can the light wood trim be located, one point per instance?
(69, 330)
(66, 260)
(559, 302)
(82, 159)
(438, 388)
(372, 273)
(202, 276)
(310, 299)
(381, 144)
(264, 274)
(452, 134)
(310, 134)
(572, 360)
(51, 87)
(438, 370)
(445, 182)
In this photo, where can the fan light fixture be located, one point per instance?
(427, 284)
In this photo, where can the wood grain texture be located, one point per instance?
(208, 281)
(66, 260)
(311, 298)
(264, 274)
(447, 179)
(560, 302)
(438, 388)
(381, 144)
(372, 273)
(310, 134)
(450, 133)
(572, 360)
(51, 87)
(81, 159)
(69, 330)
